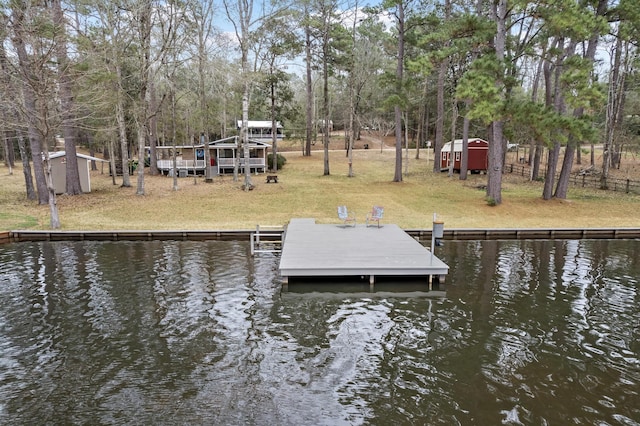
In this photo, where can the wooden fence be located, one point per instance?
(583, 180)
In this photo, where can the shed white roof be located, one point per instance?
(59, 154)
(457, 144)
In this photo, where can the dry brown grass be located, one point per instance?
(303, 191)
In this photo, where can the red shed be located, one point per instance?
(478, 155)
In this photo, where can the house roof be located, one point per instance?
(457, 144)
(59, 154)
(230, 142)
(227, 144)
(259, 124)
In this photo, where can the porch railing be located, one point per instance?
(228, 162)
(181, 164)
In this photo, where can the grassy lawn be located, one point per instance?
(303, 191)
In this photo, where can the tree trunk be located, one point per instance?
(142, 138)
(464, 160)
(399, 84)
(423, 120)
(174, 139)
(112, 160)
(439, 139)
(325, 98)
(454, 120)
(153, 130)
(352, 103)
(406, 143)
(122, 130)
(615, 107)
(496, 146)
(559, 106)
(535, 148)
(274, 129)
(494, 174)
(535, 167)
(573, 144)
(565, 172)
(66, 101)
(309, 87)
(7, 147)
(144, 32)
(26, 168)
(245, 136)
(552, 166)
(397, 176)
(31, 112)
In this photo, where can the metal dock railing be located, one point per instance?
(267, 239)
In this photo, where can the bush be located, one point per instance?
(281, 161)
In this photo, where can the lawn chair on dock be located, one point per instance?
(375, 215)
(345, 217)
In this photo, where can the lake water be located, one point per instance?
(527, 332)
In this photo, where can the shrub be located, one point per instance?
(281, 161)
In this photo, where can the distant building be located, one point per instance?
(262, 130)
(58, 162)
(478, 155)
(190, 159)
(321, 125)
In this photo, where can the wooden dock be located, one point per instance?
(318, 250)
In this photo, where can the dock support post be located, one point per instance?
(437, 233)
(372, 280)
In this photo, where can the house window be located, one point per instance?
(226, 153)
(457, 156)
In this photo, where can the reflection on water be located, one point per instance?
(201, 333)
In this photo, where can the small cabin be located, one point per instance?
(262, 130)
(190, 159)
(478, 155)
(225, 151)
(58, 161)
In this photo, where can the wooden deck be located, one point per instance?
(314, 250)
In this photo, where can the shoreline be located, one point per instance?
(16, 236)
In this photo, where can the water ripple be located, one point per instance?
(174, 332)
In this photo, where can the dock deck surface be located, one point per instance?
(316, 250)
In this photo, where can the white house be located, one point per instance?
(190, 160)
(262, 130)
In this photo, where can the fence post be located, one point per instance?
(627, 191)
